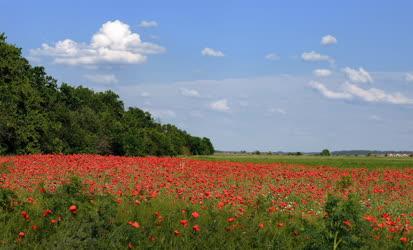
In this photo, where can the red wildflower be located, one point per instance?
(47, 212)
(134, 224)
(25, 215)
(272, 209)
(231, 219)
(184, 223)
(195, 215)
(196, 228)
(404, 240)
(261, 225)
(221, 204)
(370, 218)
(347, 223)
(73, 209)
(22, 235)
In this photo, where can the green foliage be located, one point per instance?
(325, 152)
(38, 116)
(344, 223)
(6, 199)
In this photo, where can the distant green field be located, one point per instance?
(334, 161)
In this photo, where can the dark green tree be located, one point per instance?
(325, 152)
(38, 116)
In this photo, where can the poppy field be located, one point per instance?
(110, 202)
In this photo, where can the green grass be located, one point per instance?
(102, 223)
(313, 160)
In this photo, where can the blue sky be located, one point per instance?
(291, 76)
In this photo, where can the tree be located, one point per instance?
(38, 116)
(325, 152)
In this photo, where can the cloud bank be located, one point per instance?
(114, 43)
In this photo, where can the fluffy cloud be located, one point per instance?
(272, 56)
(148, 24)
(313, 56)
(322, 72)
(409, 77)
(102, 78)
(277, 110)
(376, 95)
(329, 93)
(358, 76)
(114, 43)
(189, 92)
(328, 40)
(350, 91)
(220, 105)
(145, 94)
(212, 52)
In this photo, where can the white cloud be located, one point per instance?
(145, 94)
(375, 118)
(376, 95)
(114, 43)
(350, 91)
(148, 24)
(358, 76)
(409, 77)
(212, 52)
(220, 105)
(313, 56)
(277, 110)
(189, 92)
(102, 78)
(272, 56)
(328, 40)
(329, 93)
(322, 72)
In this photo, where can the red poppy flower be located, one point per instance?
(184, 223)
(25, 215)
(195, 215)
(231, 219)
(47, 212)
(134, 224)
(196, 228)
(73, 209)
(347, 223)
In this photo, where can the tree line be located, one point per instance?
(39, 116)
